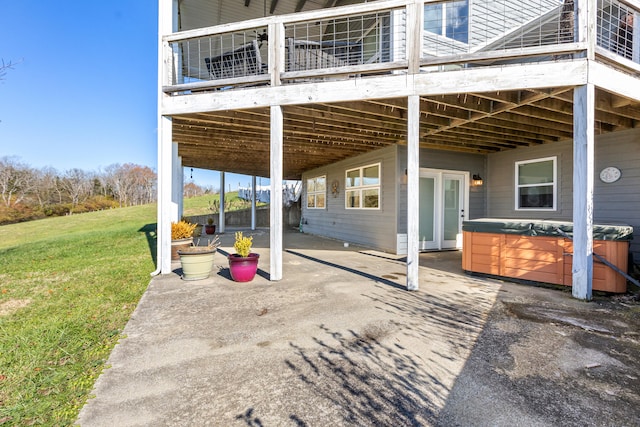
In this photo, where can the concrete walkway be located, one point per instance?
(339, 341)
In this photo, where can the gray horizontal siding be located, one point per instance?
(373, 228)
(378, 229)
(618, 202)
(491, 19)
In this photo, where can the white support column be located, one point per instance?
(167, 150)
(167, 210)
(413, 194)
(221, 224)
(253, 202)
(583, 169)
(177, 192)
(277, 133)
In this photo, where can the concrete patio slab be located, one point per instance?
(338, 341)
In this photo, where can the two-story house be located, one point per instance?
(406, 118)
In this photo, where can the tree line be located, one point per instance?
(28, 193)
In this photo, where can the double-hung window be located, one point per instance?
(363, 187)
(536, 184)
(316, 192)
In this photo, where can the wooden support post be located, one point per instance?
(277, 135)
(167, 150)
(221, 224)
(177, 196)
(165, 192)
(583, 169)
(253, 202)
(413, 194)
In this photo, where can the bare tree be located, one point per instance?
(146, 183)
(191, 189)
(46, 190)
(78, 185)
(17, 180)
(4, 67)
(131, 184)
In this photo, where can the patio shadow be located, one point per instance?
(347, 269)
(150, 232)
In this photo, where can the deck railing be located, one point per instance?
(381, 37)
(618, 29)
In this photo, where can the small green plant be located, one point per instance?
(210, 221)
(182, 230)
(243, 244)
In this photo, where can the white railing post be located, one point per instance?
(414, 28)
(635, 42)
(276, 52)
(586, 26)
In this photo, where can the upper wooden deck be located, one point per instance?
(343, 75)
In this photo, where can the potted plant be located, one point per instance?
(197, 231)
(243, 264)
(197, 261)
(181, 237)
(210, 228)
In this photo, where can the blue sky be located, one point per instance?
(82, 93)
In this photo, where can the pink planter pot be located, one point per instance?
(243, 269)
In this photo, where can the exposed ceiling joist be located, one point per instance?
(272, 8)
(320, 134)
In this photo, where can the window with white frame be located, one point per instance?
(536, 184)
(317, 192)
(362, 188)
(448, 19)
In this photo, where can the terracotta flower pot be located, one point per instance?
(179, 244)
(210, 229)
(243, 269)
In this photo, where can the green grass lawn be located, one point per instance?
(199, 205)
(68, 285)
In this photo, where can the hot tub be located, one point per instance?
(538, 250)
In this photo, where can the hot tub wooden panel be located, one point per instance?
(541, 258)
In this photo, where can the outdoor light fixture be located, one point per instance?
(477, 180)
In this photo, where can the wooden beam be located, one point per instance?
(275, 177)
(528, 99)
(221, 215)
(583, 169)
(300, 5)
(413, 193)
(272, 8)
